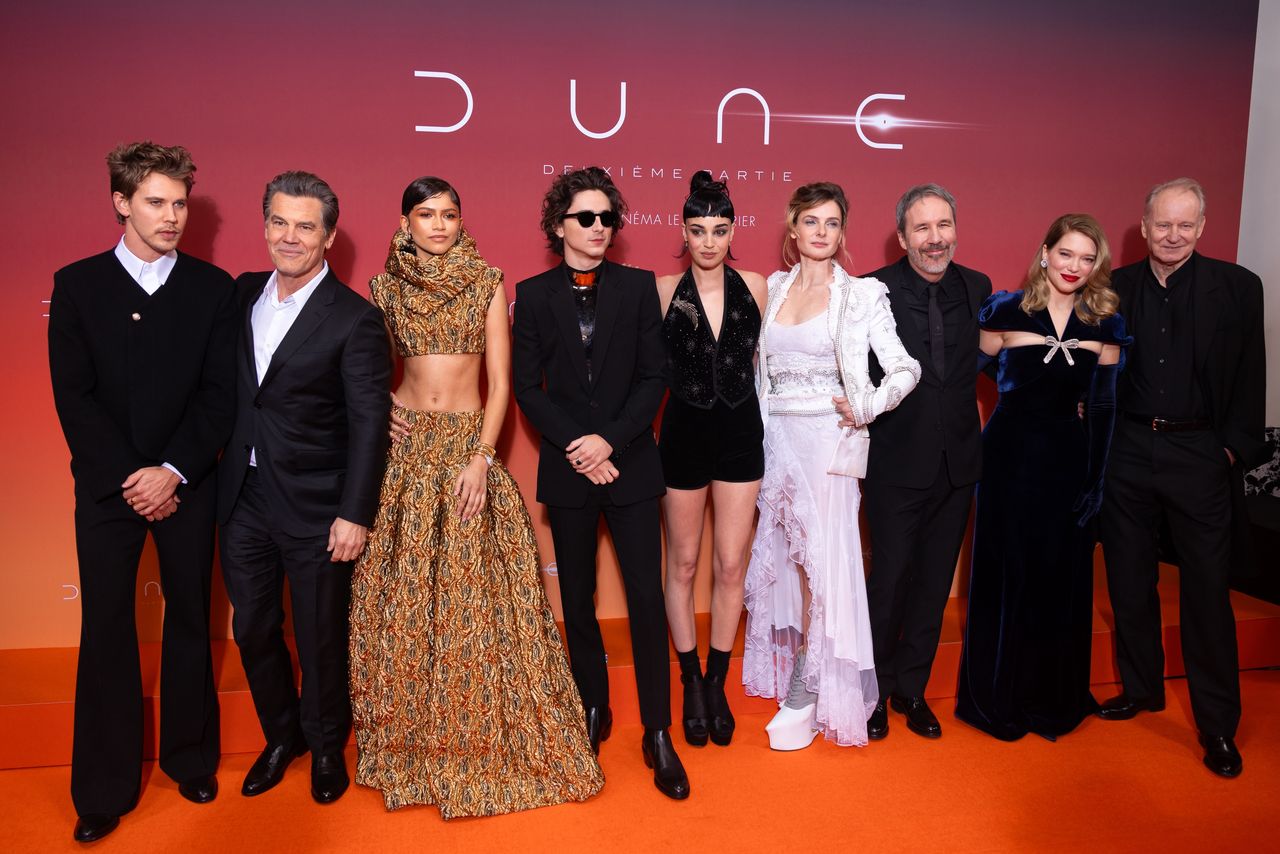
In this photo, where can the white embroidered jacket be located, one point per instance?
(859, 320)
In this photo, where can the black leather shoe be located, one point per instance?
(1124, 707)
(328, 777)
(93, 826)
(599, 726)
(268, 769)
(720, 720)
(878, 723)
(1221, 756)
(668, 772)
(695, 709)
(199, 790)
(920, 718)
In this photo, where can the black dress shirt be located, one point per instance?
(951, 299)
(1160, 372)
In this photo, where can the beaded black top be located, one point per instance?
(703, 367)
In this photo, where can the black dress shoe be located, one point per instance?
(1221, 756)
(878, 723)
(1124, 707)
(199, 790)
(599, 726)
(268, 769)
(328, 777)
(720, 719)
(93, 826)
(695, 709)
(920, 718)
(660, 755)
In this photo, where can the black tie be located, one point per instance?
(937, 346)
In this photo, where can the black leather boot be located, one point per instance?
(668, 772)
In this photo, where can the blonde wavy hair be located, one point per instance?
(1096, 300)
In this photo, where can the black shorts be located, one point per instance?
(721, 443)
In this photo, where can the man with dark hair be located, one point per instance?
(300, 480)
(141, 350)
(925, 457)
(590, 373)
(1191, 405)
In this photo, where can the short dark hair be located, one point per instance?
(915, 194)
(303, 185)
(424, 188)
(130, 163)
(557, 200)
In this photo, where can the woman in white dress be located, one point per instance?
(808, 640)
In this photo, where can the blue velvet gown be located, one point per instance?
(1025, 662)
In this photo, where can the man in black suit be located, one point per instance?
(300, 480)
(141, 348)
(590, 373)
(925, 456)
(1191, 401)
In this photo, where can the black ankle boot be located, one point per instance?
(695, 709)
(720, 719)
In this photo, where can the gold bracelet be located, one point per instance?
(487, 451)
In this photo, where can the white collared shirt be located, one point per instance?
(272, 318)
(149, 275)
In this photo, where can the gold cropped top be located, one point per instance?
(439, 305)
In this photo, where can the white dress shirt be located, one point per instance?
(149, 275)
(271, 319)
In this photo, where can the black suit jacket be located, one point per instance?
(318, 422)
(138, 379)
(621, 398)
(941, 413)
(1230, 357)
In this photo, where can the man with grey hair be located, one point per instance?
(926, 455)
(299, 480)
(1191, 405)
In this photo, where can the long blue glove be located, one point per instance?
(1100, 419)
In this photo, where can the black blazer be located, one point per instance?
(138, 379)
(318, 423)
(941, 413)
(620, 401)
(1230, 357)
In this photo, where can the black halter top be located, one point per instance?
(702, 367)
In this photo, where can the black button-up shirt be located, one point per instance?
(952, 300)
(1160, 372)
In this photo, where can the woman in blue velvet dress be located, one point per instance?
(1025, 663)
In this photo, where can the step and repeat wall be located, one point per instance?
(1024, 110)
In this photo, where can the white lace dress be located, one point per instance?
(808, 531)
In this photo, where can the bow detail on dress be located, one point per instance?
(1065, 346)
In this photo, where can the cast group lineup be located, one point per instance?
(261, 412)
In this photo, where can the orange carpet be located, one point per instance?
(1133, 786)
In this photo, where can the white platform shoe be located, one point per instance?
(795, 725)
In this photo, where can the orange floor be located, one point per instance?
(1134, 786)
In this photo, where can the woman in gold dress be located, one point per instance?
(460, 690)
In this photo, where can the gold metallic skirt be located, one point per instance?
(460, 690)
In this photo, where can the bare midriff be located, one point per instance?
(442, 382)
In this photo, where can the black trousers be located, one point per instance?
(106, 753)
(1184, 479)
(256, 558)
(915, 542)
(636, 533)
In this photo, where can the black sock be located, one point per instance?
(717, 663)
(689, 663)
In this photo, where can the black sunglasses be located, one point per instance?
(586, 219)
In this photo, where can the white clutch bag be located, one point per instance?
(849, 458)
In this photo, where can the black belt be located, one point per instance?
(1168, 425)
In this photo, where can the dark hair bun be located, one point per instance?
(702, 180)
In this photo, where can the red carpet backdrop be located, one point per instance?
(1025, 110)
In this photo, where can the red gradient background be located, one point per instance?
(1036, 109)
